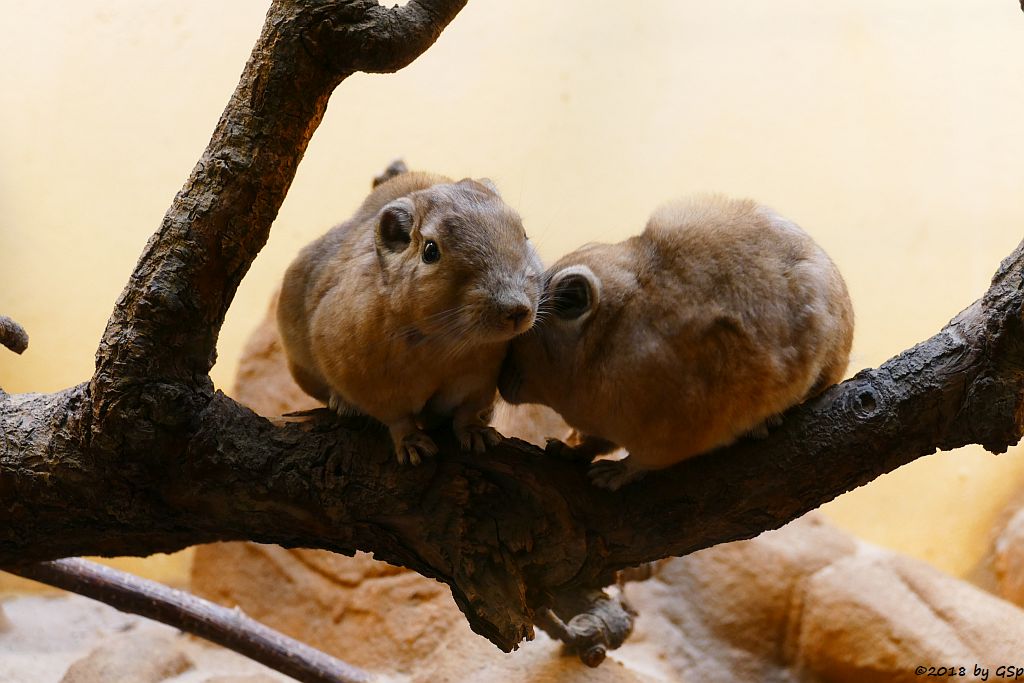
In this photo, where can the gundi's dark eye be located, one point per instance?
(571, 297)
(431, 252)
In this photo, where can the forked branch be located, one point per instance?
(147, 457)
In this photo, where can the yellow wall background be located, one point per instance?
(891, 131)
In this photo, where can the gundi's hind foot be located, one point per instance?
(470, 424)
(605, 474)
(412, 444)
(414, 447)
(614, 474)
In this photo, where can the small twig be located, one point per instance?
(230, 628)
(12, 335)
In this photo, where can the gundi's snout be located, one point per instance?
(519, 314)
(514, 312)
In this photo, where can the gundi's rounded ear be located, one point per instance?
(489, 184)
(484, 183)
(574, 292)
(395, 225)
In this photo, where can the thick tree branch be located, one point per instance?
(512, 530)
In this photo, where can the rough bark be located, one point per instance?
(12, 335)
(147, 457)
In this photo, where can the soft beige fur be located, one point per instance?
(720, 316)
(370, 327)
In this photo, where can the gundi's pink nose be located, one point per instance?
(517, 313)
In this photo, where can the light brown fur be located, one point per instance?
(720, 316)
(370, 327)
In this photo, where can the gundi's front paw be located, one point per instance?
(414, 447)
(477, 438)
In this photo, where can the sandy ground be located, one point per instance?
(41, 637)
(71, 639)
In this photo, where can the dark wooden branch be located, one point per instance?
(510, 531)
(147, 457)
(228, 627)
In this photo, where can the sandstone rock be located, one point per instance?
(467, 657)
(723, 614)
(365, 612)
(804, 603)
(49, 634)
(139, 659)
(532, 423)
(809, 603)
(877, 616)
(1008, 560)
(263, 382)
(387, 620)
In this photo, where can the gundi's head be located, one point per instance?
(459, 261)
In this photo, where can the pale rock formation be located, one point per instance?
(149, 659)
(1007, 560)
(809, 603)
(877, 616)
(71, 638)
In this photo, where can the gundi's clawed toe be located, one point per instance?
(414, 448)
(477, 438)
